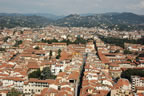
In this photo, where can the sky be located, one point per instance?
(65, 7)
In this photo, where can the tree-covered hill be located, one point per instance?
(119, 21)
(23, 21)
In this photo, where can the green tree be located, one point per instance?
(47, 74)
(59, 54)
(35, 74)
(128, 73)
(66, 41)
(2, 49)
(54, 40)
(50, 54)
(18, 42)
(21, 32)
(141, 55)
(60, 70)
(80, 40)
(44, 74)
(6, 38)
(14, 92)
(127, 52)
(141, 41)
(37, 48)
(129, 60)
(118, 41)
(117, 51)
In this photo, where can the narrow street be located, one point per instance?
(79, 83)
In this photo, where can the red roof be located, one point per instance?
(74, 75)
(50, 81)
(121, 82)
(33, 65)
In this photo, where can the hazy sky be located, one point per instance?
(65, 7)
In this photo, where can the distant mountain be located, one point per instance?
(15, 20)
(10, 14)
(87, 14)
(50, 16)
(46, 15)
(109, 20)
(111, 13)
(112, 20)
(90, 14)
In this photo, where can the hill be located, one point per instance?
(46, 15)
(15, 20)
(118, 21)
(121, 21)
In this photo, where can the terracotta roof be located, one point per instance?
(61, 74)
(102, 57)
(65, 55)
(13, 78)
(59, 43)
(140, 94)
(50, 81)
(4, 91)
(47, 91)
(139, 88)
(74, 75)
(114, 65)
(121, 82)
(33, 65)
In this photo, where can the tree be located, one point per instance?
(141, 55)
(18, 42)
(35, 74)
(66, 41)
(37, 48)
(128, 73)
(2, 49)
(141, 40)
(136, 53)
(127, 52)
(21, 32)
(60, 70)
(129, 60)
(14, 92)
(80, 40)
(118, 41)
(59, 54)
(44, 74)
(49, 41)
(54, 40)
(47, 74)
(6, 38)
(117, 51)
(50, 54)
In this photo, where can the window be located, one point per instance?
(59, 87)
(71, 81)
